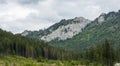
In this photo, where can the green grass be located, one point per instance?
(13, 60)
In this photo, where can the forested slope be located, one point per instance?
(17, 45)
(94, 34)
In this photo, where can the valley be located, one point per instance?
(71, 42)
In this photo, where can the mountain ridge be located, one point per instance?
(94, 33)
(60, 29)
(106, 26)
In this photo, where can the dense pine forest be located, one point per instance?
(22, 46)
(11, 44)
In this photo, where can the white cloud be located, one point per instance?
(20, 15)
(11, 12)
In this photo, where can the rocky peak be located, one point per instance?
(107, 16)
(25, 33)
(80, 19)
(101, 18)
(66, 29)
(112, 14)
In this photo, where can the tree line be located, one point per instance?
(18, 45)
(30, 48)
(103, 53)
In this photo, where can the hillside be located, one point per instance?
(17, 50)
(60, 31)
(21, 46)
(80, 33)
(106, 26)
(17, 45)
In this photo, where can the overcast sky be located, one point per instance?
(19, 15)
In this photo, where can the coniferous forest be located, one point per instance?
(102, 54)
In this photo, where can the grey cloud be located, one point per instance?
(26, 2)
(71, 8)
(3, 1)
(108, 5)
(22, 2)
(51, 11)
(66, 1)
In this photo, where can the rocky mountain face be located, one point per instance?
(105, 16)
(80, 33)
(69, 30)
(105, 27)
(60, 31)
(25, 33)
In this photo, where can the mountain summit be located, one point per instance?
(66, 29)
(80, 33)
(104, 27)
(60, 31)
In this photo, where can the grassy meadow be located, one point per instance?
(22, 61)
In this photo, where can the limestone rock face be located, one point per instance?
(25, 33)
(101, 18)
(64, 32)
